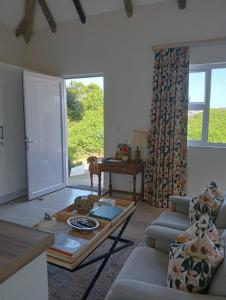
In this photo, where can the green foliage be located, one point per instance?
(195, 127)
(217, 126)
(75, 109)
(85, 137)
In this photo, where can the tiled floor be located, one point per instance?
(22, 211)
(83, 180)
(29, 213)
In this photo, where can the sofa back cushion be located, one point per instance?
(214, 190)
(209, 201)
(218, 283)
(190, 233)
(205, 203)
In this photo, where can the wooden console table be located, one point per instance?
(128, 168)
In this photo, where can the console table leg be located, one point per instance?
(142, 183)
(99, 183)
(134, 188)
(110, 185)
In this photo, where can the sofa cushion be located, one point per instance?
(146, 265)
(172, 220)
(193, 264)
(190, 233)
(205, 203)
(209, 201)
(218, 283)
(214, 190)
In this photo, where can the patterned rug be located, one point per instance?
(64, 285)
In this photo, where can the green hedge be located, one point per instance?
(217, 126)
(85, 137)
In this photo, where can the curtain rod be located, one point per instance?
(221, 40)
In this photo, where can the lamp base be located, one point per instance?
(137, 154)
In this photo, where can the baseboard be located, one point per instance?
(12, 196)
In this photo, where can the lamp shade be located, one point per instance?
(138, 138)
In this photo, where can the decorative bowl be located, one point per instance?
(82, 223)
(83, 204)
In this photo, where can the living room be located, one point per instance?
(122, 49)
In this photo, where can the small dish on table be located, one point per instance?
(83, 223)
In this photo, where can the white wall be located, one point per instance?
(12, 49)
(121, 49)
(206, 164)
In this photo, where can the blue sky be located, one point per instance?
(86, 81)
(218, 88)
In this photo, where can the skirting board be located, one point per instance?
(13, 196)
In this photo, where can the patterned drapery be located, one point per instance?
(167, 155)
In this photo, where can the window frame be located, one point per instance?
(204, 106)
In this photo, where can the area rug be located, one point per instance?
(64, 285)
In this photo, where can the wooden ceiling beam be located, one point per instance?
(128, 7)
(48, 15)
(29, 18)
(80, 11)
(20, 28)
(182, 4)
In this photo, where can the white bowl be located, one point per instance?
(72, 221)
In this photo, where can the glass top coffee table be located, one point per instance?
(72, 248)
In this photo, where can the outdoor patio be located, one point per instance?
(79, 177)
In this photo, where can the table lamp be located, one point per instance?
(138, 138)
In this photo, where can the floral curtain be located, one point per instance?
(166, 163)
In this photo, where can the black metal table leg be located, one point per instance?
(107, 256)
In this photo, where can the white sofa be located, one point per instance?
(170, 224)
(143, 277)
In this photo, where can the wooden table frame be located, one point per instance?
(128, 168)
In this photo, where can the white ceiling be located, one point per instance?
(12, 11)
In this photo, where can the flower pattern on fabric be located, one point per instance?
(214, 190)
(191, 232)
(193, 263)
(166, 163)
(208, 202)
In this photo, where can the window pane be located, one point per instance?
(195, 118)
(197, 87)
(217, 112)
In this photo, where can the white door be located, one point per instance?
(45, 133)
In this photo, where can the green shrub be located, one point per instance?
(217, 126)
(85, 136)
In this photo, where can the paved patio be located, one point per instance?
(80, 177)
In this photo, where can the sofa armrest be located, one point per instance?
(160, 235)
(180, 204)
(127, 289)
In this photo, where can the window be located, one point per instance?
(207, 105)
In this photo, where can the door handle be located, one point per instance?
(2, 133)
(30, 141)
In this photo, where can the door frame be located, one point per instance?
(77, 76)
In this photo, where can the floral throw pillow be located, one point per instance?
(201, 224)
(192, 264)
(214, 190)
(206, 203)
